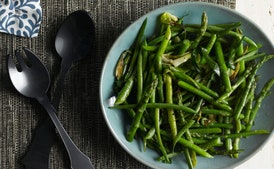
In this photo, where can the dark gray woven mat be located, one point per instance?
(79, 110)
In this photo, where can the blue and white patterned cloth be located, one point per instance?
(20, 17)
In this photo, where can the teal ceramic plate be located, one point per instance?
(118, 122)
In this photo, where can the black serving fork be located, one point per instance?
(32, 80)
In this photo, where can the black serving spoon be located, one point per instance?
(73, 42)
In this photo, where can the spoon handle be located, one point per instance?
(38, 153)
(77, 158)
(58, 88)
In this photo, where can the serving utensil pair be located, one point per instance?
(31, 79)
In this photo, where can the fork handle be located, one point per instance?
(78, 159)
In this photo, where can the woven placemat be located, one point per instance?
(80, 112)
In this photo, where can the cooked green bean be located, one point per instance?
(200, 131)
(222, 66)
(194, 90)
(250, 56)
(245, 134)
(157, 126)
(191, 146)
(212, 143)
(194, 147)
(139, 76)
(169, 99)
(211, 43)
(188, 158)
(192, 162)
(170, 155)
(161, 50)
(158, 105)
(144, 58)
(228, 141)
(216, 112)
